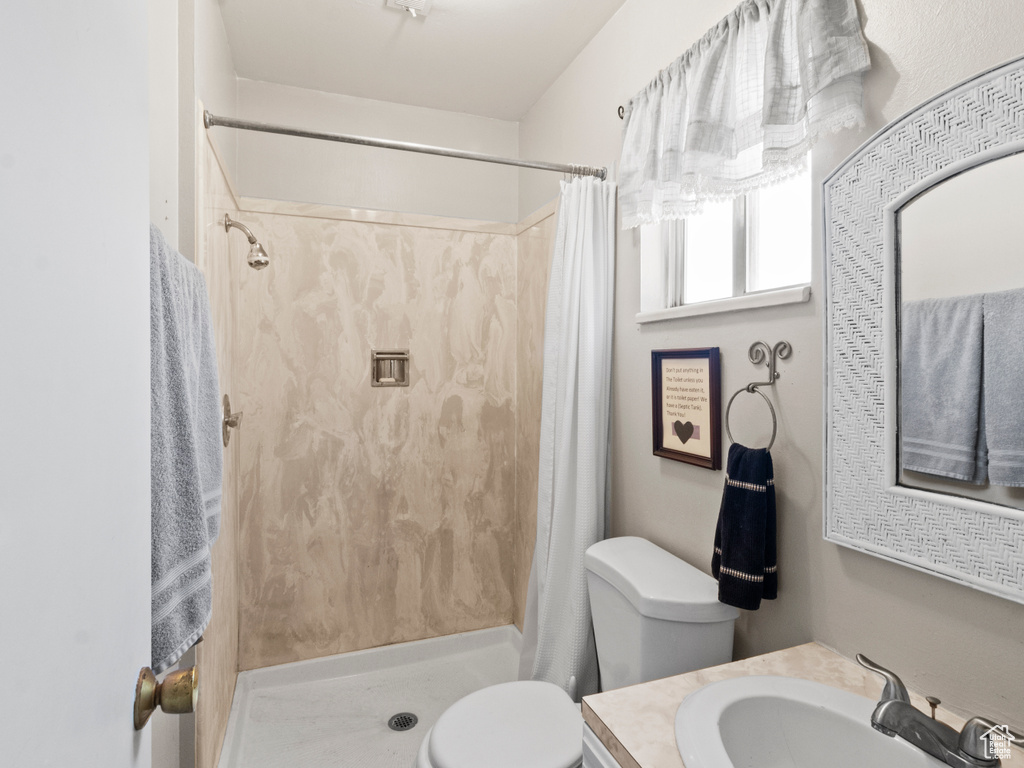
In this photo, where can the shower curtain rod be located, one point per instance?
(210, 121)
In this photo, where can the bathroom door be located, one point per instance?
(74, 382)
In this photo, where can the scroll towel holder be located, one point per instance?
(760, 353)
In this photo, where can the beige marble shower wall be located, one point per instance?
(533, 263)
(219, 257)
(372, 516)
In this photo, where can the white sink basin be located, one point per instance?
(785, 722)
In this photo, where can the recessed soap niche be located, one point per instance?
(389, 368)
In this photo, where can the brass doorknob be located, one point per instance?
(176, 695)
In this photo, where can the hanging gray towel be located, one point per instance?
(940, 380)
(1004, 372)
(186, 451)
(744, 558)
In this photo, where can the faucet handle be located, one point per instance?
(977, 730)
(894, 688)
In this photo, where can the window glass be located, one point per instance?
(708, 260)
(758, 242)
(779, 232)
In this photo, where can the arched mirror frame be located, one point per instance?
(963, 540)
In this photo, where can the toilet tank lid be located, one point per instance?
(657, 583)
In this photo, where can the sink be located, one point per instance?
(785, 722)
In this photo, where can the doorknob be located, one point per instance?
(230, 421)
(176, 695)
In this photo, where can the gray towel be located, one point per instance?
(186, 451)
(940, 380)
(1004, 372)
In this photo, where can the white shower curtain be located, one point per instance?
(558, 637)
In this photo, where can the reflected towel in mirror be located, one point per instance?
(940, 380)
(1003, 405)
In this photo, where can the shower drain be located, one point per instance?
(403, 721)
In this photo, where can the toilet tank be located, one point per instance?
(654, 614)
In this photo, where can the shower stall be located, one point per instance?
(361, 517)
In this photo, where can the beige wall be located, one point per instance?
(374, 515)
(533, 263)
(220, 256)
(286, 168)
(944, 639)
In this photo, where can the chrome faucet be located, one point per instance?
(896, 716)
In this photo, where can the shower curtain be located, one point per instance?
(558, 637)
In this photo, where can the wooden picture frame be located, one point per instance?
(687, 405)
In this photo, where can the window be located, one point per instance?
(747, 247)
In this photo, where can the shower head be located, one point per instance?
(258, 257)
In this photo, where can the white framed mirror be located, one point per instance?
(962, 522)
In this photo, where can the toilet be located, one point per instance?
(654, 616)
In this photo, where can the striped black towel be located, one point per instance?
(744, 559)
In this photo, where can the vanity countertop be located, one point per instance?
(637, 723)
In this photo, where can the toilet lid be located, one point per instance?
(525, 724)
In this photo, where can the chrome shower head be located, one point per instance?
(258, 257)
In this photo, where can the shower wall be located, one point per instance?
(533, 262)
(372, 516)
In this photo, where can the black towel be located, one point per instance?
(744, 559)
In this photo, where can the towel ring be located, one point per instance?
(753, 390)
(760, 353)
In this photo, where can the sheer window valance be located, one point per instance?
(742, 107)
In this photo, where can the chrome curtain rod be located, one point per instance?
(210, 121)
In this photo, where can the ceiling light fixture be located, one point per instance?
(416, 8)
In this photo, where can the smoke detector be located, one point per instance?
(416, 8)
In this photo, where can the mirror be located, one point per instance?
(958, 243)
(876, 214)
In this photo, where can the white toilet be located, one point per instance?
(654, 616)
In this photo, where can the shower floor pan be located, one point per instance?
(333, 712)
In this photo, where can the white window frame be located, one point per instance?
(653, 268)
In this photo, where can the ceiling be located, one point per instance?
(493, 58)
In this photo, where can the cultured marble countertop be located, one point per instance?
(637, 723)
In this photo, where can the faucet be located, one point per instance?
(896, 716)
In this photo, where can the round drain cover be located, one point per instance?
(403, 721)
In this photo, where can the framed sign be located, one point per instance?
(686, 395)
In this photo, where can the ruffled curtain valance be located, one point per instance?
(742, 107)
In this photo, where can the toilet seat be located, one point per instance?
(524, 724)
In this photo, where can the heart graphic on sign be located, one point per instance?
(683, 431)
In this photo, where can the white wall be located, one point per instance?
(74, 381)
(205, 74)
(576, 121)
(163, 117)
(216, 83)
(307, 170)
(944, 639)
